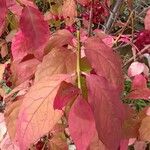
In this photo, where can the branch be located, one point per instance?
(90, 19)
(113, 15)
(123, 29)
(137, 55)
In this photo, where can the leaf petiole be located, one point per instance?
(78, 59)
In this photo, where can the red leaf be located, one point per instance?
(19, 47)
(109, 112)
(124, 144)
(81, 124)
(37, 116)
(104, 61)
(3, 13)
(35, 29)
(66, 93)
(147, 20)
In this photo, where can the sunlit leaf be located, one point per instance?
(37, 115)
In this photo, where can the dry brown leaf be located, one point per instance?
(144, 129)
(58, 141)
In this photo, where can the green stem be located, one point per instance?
(78, 59)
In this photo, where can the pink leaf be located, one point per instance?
(19, 47)
(147, 20)
(3, 128)
(96, 144)
(4, 49)
(140, 145)
(59, 39)
(139, 94)
(66, 93)
(11, 35)
(83, 2)
(81, 124)
(148, 111)
(139, 88)
(69, 11)
(138, 82)
(21, 90)
(24, 70)
(2, 69)
(105, 62)
(2, 27)
(3, 13)
(107, 39)
(7, 144)
(137, 68)
(29, 3)
(35, 30)
(109, 112)
(37, 116)
(131, 141)
(48, 16)
(11, 115)
(124, 144)
(16, 8)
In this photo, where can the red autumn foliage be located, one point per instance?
(62, 77)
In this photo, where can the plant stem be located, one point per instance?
(90, 19)
(123, 29)
(137, 55)
(113, 16)
(78, 59)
